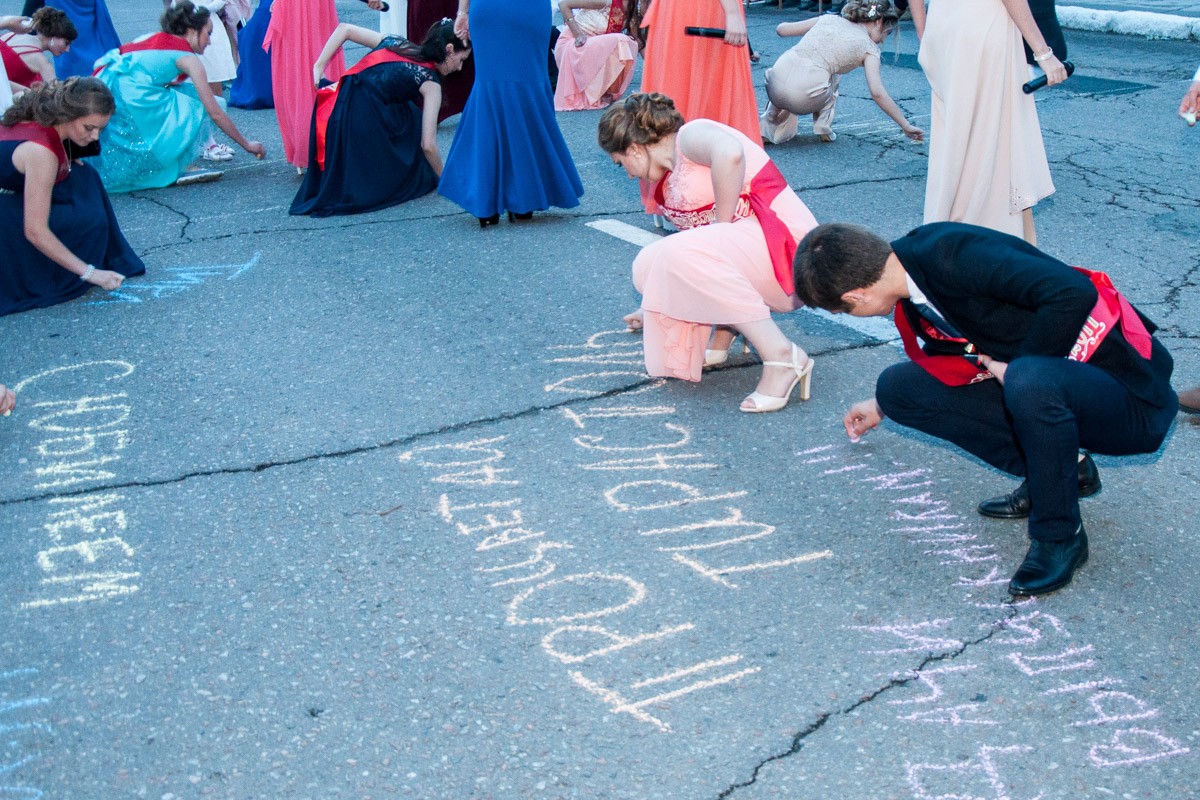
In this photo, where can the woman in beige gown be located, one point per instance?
(987, 162)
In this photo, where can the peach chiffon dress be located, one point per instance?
(709, 273)
(595, 75)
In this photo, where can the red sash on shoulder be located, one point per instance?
(327, 96)
(1111, 310)
(158, 41)
(46, 137)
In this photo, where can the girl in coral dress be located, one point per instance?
(595, 53)
(298, 31)
(730, 265)
(707, 78)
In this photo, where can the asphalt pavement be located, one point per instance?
(385, 505)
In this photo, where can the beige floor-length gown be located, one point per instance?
(987, 162)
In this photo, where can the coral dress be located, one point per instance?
(715, 274)
(987, 162)
(705, 77)
(596, 74)
(159, 123)
(295, 37)
(80, 216)
(508, 152)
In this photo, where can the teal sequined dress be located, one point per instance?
(158, 126)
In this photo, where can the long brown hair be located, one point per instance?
(56, 102)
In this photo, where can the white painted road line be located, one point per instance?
(625, 232)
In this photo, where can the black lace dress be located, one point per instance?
(373, 156)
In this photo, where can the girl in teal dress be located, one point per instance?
(161, 118)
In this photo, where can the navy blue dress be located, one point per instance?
(252, 86)
(373, 155)
(508, 153)
(80, 216)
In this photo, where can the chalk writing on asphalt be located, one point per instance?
(170, 281)
(80, 413)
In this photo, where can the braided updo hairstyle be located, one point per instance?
(56, 102)
(641, 119)
(870, 11)
(54, 23)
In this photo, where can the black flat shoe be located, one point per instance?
(1016, 504)
(528, 215)
(494, 219)
(1049, 566)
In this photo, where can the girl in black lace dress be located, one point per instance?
(374, 133)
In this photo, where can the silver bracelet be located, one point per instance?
(87, 273)
(1046, 56)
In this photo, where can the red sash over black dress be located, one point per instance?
(365, 143)
(80, 216)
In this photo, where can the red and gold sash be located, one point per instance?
(327, 96)
(39, 134)
(1111, 310)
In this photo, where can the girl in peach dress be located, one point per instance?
(595, 53)
(298, 31)
(730, 265)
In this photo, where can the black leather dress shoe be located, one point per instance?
(1016, 504)
(1049, 565)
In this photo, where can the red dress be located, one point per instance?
(18, 71)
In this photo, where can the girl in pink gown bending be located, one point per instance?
(298, 31)
(595, 53)
(730, 265)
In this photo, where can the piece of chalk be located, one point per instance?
(1189, 117)
(6, 414)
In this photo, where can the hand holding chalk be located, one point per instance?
(862, 418)
(8, 401)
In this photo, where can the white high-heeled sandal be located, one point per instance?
(713, 358)
(765, 402)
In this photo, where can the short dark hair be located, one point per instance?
(837, 258)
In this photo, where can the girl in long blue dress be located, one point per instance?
(374, 134)
(59, 232)
(160, 122)
(252, 87)
(508, 153)
(96, 36)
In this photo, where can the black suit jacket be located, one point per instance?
(1011, 300)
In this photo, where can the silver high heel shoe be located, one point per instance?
(763, 402)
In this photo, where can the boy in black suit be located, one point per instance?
(1022, 361)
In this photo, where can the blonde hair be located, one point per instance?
(640, 119)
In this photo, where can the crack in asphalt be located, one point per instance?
(799, 739)
(187, 219)
(403, 441)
